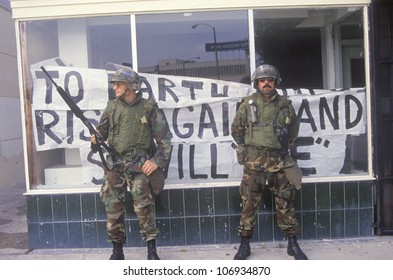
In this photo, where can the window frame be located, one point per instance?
(342, 178)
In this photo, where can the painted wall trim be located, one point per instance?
(23, 9)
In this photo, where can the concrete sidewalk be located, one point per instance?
(14, 243)
(375, 248)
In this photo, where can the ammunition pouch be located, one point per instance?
(157, 180)
(282, 136)
(294, 175)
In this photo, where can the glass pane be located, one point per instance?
(109, 40)
(57, 140)
(320, 56)
(86, 42)
(184, 45)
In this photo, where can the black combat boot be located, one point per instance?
(244, 249)
(151, 250)
(294, 250)
(117, 253)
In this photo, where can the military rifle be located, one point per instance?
(79, 114)
(282, 134)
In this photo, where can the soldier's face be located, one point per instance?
(120, 88)
(266, 85)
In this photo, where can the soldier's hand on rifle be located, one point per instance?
(149, 167)
(93, 139)
(95, 145)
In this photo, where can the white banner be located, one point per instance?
(199, 112)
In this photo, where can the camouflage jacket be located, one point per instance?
(139, 127)
(271, 117)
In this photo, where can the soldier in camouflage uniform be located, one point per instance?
(139, 135)
(264, 127)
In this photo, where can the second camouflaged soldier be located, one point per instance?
(138, 133)
(264, 127)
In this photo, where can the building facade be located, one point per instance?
(197, 62)
(11, 144)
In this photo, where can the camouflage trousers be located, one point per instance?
(251, 188)
(113, 193)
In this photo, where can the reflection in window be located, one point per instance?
(184, 45)
(317, 49)
(109, 41)
(299, 42)
(283, 40)
(82, 43)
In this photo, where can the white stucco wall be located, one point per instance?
(11, 146)
(25, 10)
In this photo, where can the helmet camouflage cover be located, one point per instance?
(127, 75)
(265, 71)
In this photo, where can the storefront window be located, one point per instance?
(197, 67)
(320, 54)
(109, 40)
(183, 44)
(55, 137)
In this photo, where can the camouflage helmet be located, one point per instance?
(127, 75)
(265, 71)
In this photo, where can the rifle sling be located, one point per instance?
(101, 153)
